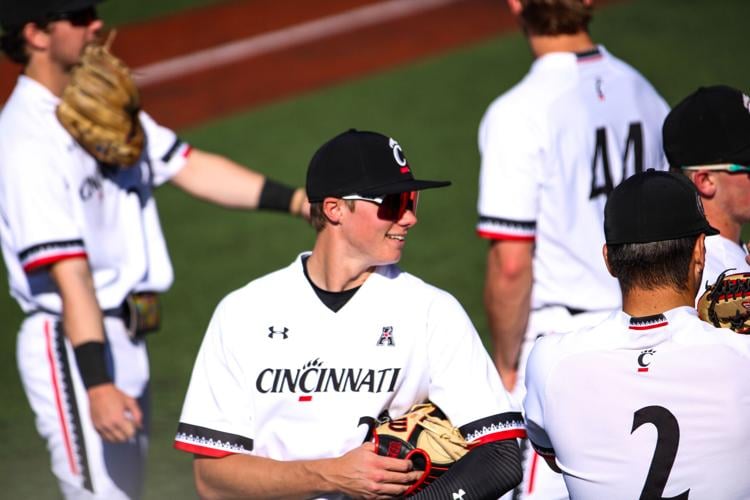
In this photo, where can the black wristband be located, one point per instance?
(275, 196)
(91, 364)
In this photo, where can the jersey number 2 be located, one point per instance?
(601, 173)
(667, 441)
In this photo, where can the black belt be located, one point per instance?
(139, 311)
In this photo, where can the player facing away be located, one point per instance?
(652, 402)
(707, 138)
(296, 365)
(552, 148)
(82, 243)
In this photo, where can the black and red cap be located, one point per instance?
(654, 206)
(14, 14)
(708, 127)
(363, 163)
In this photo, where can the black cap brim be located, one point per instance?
(402, 187)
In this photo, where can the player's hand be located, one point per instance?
(116, 416)
(361, 473)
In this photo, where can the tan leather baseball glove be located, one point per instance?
(726, 303)
(99, 107)
(426, 437)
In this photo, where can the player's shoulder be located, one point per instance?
(265, 290)
(692, 331)
(596, 337)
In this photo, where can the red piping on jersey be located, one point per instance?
(58, 402)
(187, 151)
(532, 472)
(499, 436)
(503, 236)
(201, 450)
(648, 327)
(51, 260)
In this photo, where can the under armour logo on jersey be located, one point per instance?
(644, 360)
(273, 332)
(459, 495)
(386, 337)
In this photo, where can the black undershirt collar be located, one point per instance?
(332, 300)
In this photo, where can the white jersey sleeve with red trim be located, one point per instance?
(463, 381)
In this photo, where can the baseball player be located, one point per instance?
(82, 244)
(651, 403)
(295, 366)
(552, 149)
(707, 137)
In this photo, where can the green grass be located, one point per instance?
(131, 11)
(433, 109)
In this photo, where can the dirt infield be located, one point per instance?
(229, 88)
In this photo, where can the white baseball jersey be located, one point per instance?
(722, 254)
(56, 202)
(651, 407)
(552, 148)
(280, 375)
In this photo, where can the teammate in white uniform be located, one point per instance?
(78, 239)
(707, 137)
(297, 366)
(553, 147)
(652, 402)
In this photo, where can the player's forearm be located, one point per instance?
(221, 181)
(507, 299)
(82, 316)
(243, 476)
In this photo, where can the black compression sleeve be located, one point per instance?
(486, 472)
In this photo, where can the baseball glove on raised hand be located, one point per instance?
(426, 437)
(726, 303)
(99, 107)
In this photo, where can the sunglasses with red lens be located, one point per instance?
(391, 206)
(80, 18)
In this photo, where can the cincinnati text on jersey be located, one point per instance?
(313, 377)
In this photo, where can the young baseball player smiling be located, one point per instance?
(297, 366)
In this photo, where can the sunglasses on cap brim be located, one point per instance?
(391, 206)
(721, 167)
(81, 17)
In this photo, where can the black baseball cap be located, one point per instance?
(708, 127)
(363, 163)
(16, 13)
(654, 206)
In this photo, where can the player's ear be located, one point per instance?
(515, 6)
(698, 262)
(705, 182)
(605, 254)
(36, 37)
(333, 209)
